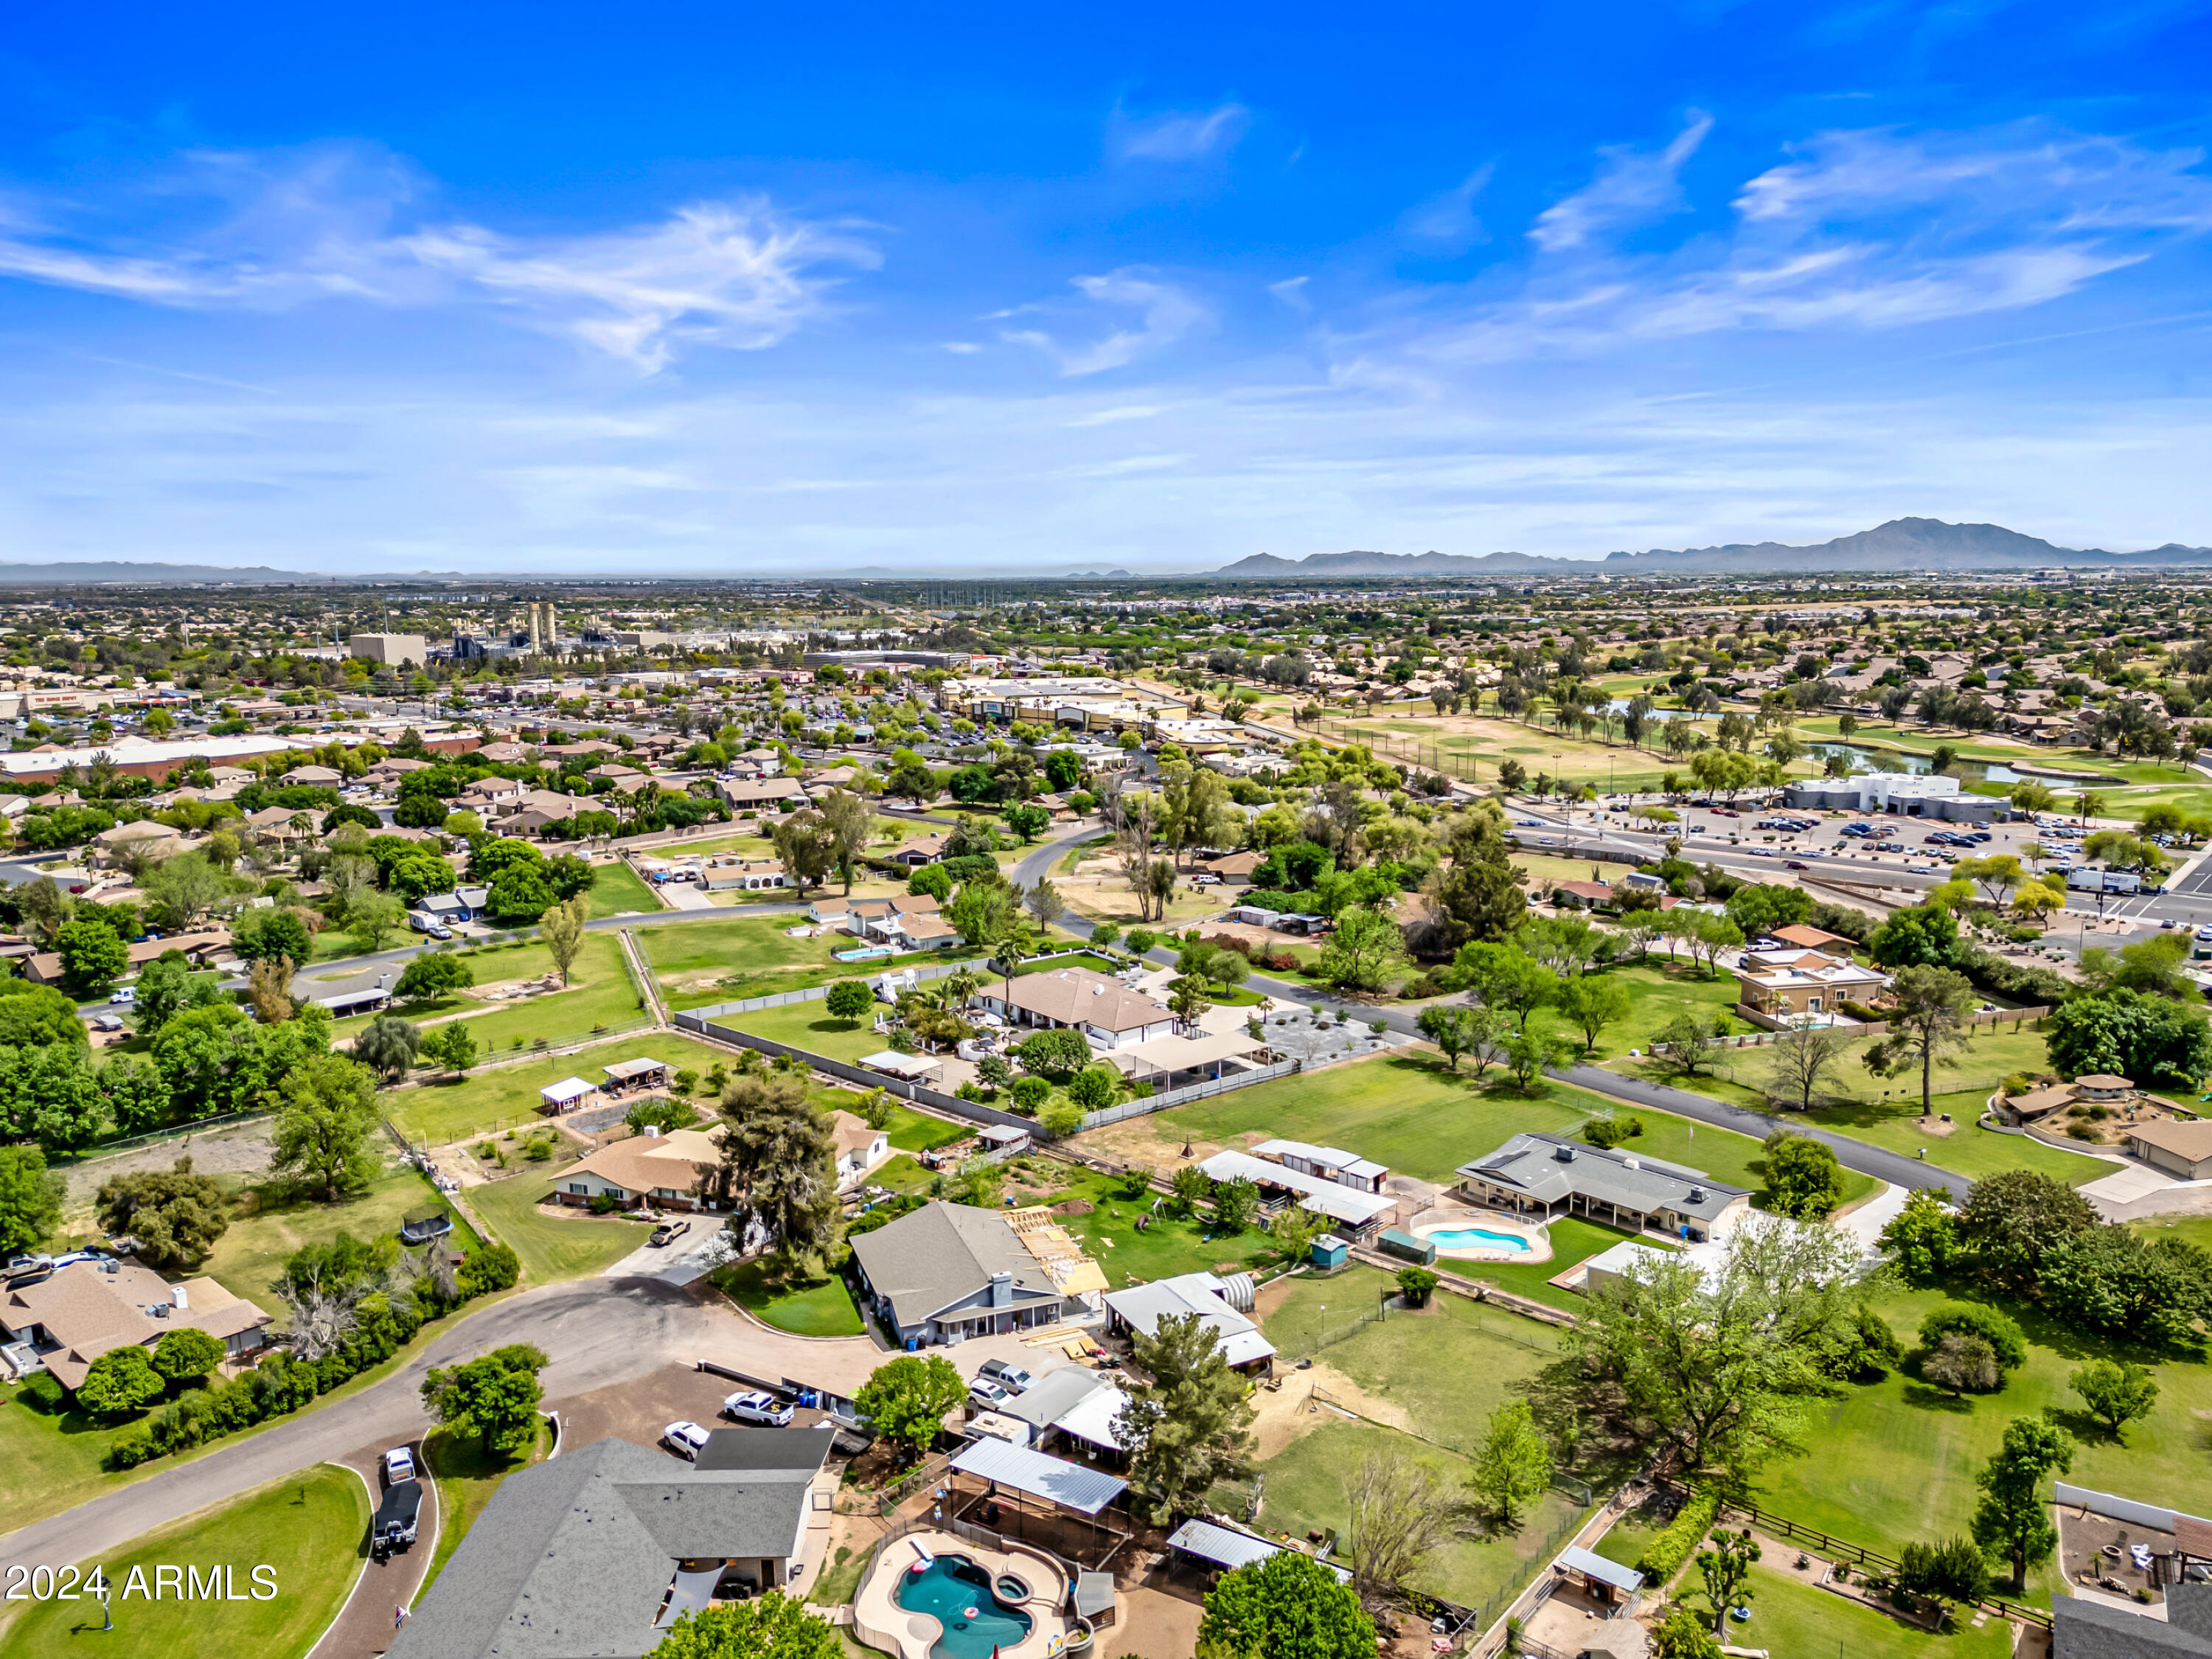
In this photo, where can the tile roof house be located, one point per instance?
(598, 1552)
(88, 1308)
(860, 1149)
(1108, 1012)
(1798, 991)
(661, 1169)
(948, 1272)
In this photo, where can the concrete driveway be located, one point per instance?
(681, 1261)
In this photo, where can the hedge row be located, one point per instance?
(282, 1384)
(1664, 1555)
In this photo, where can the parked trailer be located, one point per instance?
(2086, 881)
(396, 1515)
(2122, 881)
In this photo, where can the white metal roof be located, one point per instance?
(1143, 1307)
(900, 1065)
(568, 1089)
(1591, 1565)
(1091, 1418)
(1335, 1156)
(1329, 1197)
(1054, 1478)
(1230, 1547)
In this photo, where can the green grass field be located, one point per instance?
(311, 1529)
(466, 1479)
(270, 1225)
(552, 1248)
(1658, 992)
(600, 995)
(1791, 1617)
(809, 1026)
(703, 962)
(616, 887)
(51, 1460)
(1894, 1461)
(454, 1109)
(1447, 1368)
(820, 1307)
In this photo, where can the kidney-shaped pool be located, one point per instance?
(957, 1593)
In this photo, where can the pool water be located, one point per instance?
(1476, 1238)
(946, 1589)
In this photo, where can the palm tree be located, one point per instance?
(1015, 946)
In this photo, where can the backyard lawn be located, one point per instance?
(811, 1026)
(1408, 1111)
(574, 1244)
(1170, 1244)
(50, 1459)
(1894, 1461)
(616, 887)
(1572, 1241)
(1723, 1154)
(453, 1108)
(1791, 1617)
(269, 1226)
(1658, 992)
(1446, 1368)
(819, 1307)
(311, 1529)
(466, 1479)
(599, 994)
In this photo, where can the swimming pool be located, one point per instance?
(1476, 1238)
(956, 1593)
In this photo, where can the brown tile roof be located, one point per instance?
(89, 1312)
(1079, 996)
(638, 1163)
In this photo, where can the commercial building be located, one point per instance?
(393, 650)
(1911, 795)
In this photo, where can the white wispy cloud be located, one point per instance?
(1448, 221)
(280, 231)
(1168, 313)
(1632, 187)
(1292, 291)
(1180, 136)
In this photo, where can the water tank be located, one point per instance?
(1238, 1291)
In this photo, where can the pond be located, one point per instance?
(1867, 760)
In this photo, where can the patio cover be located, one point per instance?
(690, 1594)
(1591, 1565)
(1182, 1054)
(1231, 1548)
(905, 1066)
(568, 1089)
(623, 1070)
(1070, 1486)
(1345, 1204)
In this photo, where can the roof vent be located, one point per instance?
(179, 1296)
(1697, 1195)
(157, 1310)
(1564, 1154)
(652, 1132)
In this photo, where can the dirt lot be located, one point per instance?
(239, 1149)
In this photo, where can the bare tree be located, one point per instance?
(1401, 1510)
(1804, 1063)
(1136, 816)
(323, 1318)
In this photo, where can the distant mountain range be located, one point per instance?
(56, 575)
(1901, 544)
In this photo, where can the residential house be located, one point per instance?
(860, 1149)
(663, 1169)
(1804, 993)
(313, 777)
(914, 853)
(599, 1551)
(72, 1316)
(947, 1271)
(1548, 1176)
(1806, 937)
(2179, 1149)
(487, 796)
(1108, 1012)
(761, 795)
(730, 874)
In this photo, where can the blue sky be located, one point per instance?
(729, 289)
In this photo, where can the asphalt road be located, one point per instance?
(598, 1331)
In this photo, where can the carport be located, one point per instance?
(1015, 1492)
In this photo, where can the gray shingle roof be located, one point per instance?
(573, 1558)
(2090, 1630)
(1530, 1164)
(942, 1253)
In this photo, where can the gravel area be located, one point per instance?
(1304, 1033)
(231, 1149)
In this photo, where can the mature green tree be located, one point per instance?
(2014, 1515)
(1504, 977)
(2014, 1221)
(2132, 1034)
(1479, 898)
(50, 1094)
(183, 1354)
(265, 935)
(93, 956)
(1029, 822)
(1289, 1606)
(1922, 935)
(905, 1400)
(433, 975)
(2152, 966)
(371, 917)
(1923, 1238)
(2116, 1392)
(1535, 1050)
(772, 1626)
(850, 821)
(1928, 1021)
(1964, 1364)
(806, 847)
(1684, 1636)
(137, 1094)
(1683, 1047)
(2112, 1278)
(778, 1170)
(1802, 1179)
(325, 1131)
(561, 931)
(454, 1045)
(494, 1398)
(1189, 1426)
(1953, 1570)
(32, 1016)
(388, 1045)
(1717, 1365)
(1591, 1004)
(1803, 1063)
(849, 999)
(176, 1216)
(1513, 1466)
(1457, 1029)
(30, 1198)
(121, 1379)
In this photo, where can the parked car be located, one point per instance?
(441, 932)
(668, 1232)
(1007, 1375)
(759, 1406)
(399, 1466)
(987, 1394)
(105, 1023)
(685, 1439)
